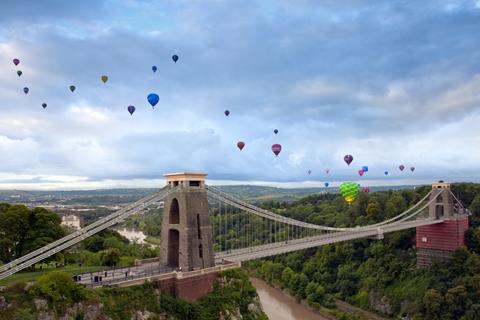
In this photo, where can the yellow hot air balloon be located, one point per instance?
(104, 78)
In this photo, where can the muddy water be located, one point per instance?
(281, 306)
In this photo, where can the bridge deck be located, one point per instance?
(310, 242)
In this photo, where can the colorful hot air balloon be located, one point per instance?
(153, 99)
(401, 167)
(19, 73)
(326, 184)
(104, 78)
(348, 159)
(72, 88)
(360, 172)
(386, 173)
(131, 109)
(275, 131)
(175, 58)
(227, 113)
(154, 68)
(412, 169)
(240, 145)
(349, 191)
(276, 148)
(365, 168)
(16, 61)
(44, 105)
(327, 171)
(25, 90)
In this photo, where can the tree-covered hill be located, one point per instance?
(379, 274)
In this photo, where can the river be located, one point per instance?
(279, 305)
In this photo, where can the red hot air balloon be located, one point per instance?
(227, 113)
(240, 145)
(16, 61)
(412, 169)
(348, 159)
(360, 172)
(276, 148)
(366, 189)
(401, 167)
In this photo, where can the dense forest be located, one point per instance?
(379, 274)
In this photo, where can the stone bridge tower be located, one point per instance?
(437, 242)
(187, 240)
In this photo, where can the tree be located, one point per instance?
(373, 210)
(110, 257)
(432, 302)
(58, 287)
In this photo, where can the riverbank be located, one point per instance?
(280, 305)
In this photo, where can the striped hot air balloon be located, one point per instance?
(349, 191)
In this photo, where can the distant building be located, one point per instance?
(72, 221)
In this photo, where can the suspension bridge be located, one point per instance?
(204, 228)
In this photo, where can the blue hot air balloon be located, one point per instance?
(154, 68)
(365, 168)
(153, 99)
(327, 184)
(175, 58)
(25, 90)
(386, 173)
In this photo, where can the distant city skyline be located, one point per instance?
(389, 82)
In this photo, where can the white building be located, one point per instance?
(71, 221)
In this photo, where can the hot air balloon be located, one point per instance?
(175, 58)
(309, 171)
(326, 184)
(44, 105)
(386, 173)
(25, 90)
(227, 113)
(366, 189)
(240, 145)
(131, 109)
(412, 169)
(154, 68)
(275, 131)
(153, 99)
(348, 159)
(72, 88)
(360, 172)
(276, 148)
(401, 167)
(19, 72)
(16, 61)
(327, 171)
(104, 78)
(365, 168)
(349, 191)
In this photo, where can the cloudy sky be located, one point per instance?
(390, 82)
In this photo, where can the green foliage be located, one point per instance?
(23, 230)
(59, 287)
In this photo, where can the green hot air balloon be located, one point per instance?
(349, 191)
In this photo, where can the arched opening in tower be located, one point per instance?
(174, 212)
(173, 248)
